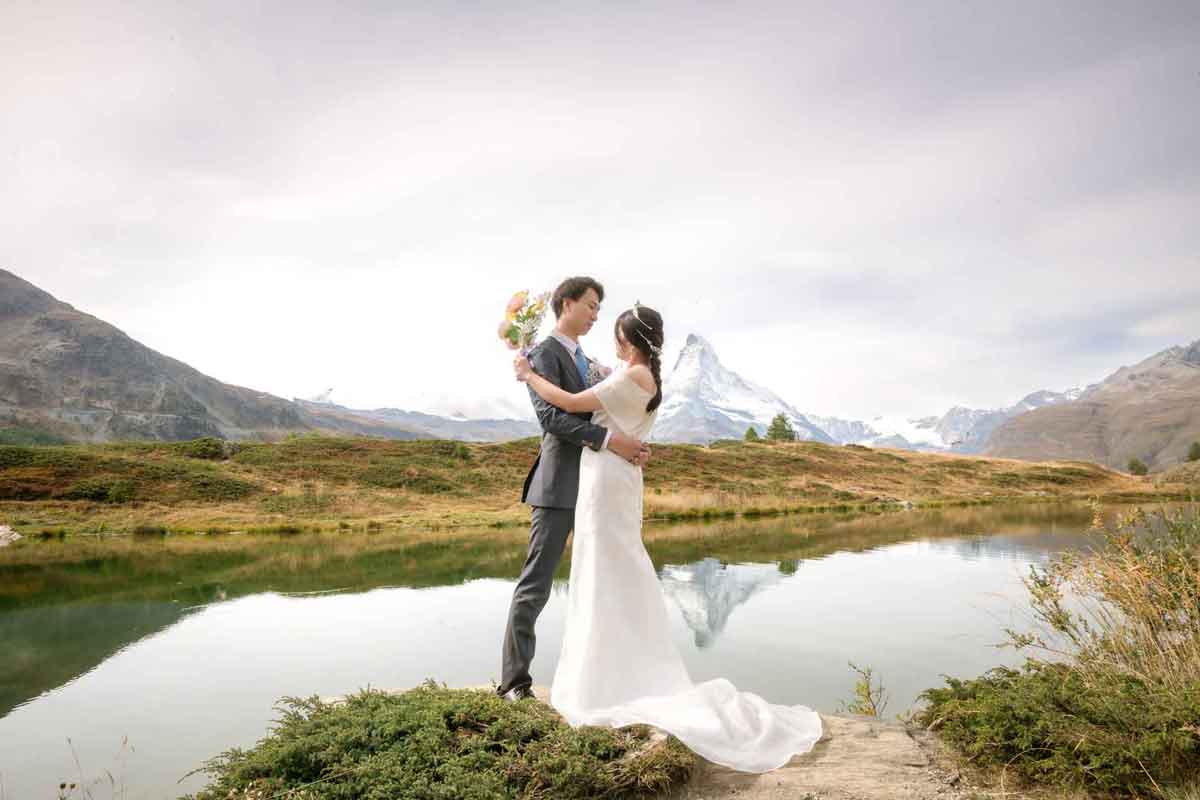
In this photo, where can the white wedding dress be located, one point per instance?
(619, 665)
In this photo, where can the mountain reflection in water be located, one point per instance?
(708, 591)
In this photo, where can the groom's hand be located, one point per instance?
(643, 456)
(627, 447)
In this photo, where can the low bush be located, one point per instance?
(209, 448)
(434, 743)
(101, 490)
(1114, 703)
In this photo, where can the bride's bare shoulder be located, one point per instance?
(641, 375)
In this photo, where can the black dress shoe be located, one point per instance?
(518, 693)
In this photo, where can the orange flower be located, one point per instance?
(515, 304)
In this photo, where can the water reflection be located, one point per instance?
(48, 647)
(707, 592)
(185, 651)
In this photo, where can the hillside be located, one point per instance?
(68, 376)
(323, 482)
(78, 376)
(1150, 410)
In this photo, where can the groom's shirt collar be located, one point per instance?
(566, 341)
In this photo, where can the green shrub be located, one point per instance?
(399, 475)
(1138, 467)
(434, 743)
(101, 490)
(1194, 452)
(208, 448)
(206, 486)
(29, 436)
(1116, 707)
(1052, 725)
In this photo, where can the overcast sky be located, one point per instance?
(871, 208)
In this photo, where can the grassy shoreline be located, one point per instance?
(196, 569)
(343, 483)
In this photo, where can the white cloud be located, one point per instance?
(869, 211)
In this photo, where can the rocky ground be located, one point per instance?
(858, 758)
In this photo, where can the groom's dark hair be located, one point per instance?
(573, 289)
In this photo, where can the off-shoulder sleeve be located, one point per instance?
(623, 400)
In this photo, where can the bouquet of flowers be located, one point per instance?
(522, 319)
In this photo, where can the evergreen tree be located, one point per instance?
(1194, 452)
(781, 430)
(1138, 467)
(751, 434)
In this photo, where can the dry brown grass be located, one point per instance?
(1137, 605)
(322, 483)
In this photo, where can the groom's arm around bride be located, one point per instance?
(553, 481)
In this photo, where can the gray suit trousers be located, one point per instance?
(547, 538)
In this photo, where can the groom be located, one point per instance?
(553, 481)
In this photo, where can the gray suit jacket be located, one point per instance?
(553, 481)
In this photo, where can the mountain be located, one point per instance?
(70, 374)
(959, 430)
(75, 374)
(425, 426)
(1150, 410)
(704, 401)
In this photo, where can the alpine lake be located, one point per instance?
(129, 661)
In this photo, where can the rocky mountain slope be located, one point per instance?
(430, 426)
(1150, 410)
(67, 373)
(83, 378)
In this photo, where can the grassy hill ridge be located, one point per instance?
(330, 482)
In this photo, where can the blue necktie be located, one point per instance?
(581, 364)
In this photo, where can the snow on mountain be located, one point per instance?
(844, 431)
(704, 401)
(709, 591)
(960, 430)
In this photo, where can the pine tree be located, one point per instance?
(751, 434)
(1194, 452)
(781, 430)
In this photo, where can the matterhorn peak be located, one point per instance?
(697, 352)
(703, 400)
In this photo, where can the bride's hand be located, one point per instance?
(522, 368)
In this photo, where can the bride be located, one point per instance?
(618, 664)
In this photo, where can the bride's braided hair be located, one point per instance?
(642, 327)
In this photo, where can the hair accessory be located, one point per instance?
(653, 348)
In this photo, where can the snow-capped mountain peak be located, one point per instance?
(704, 400)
